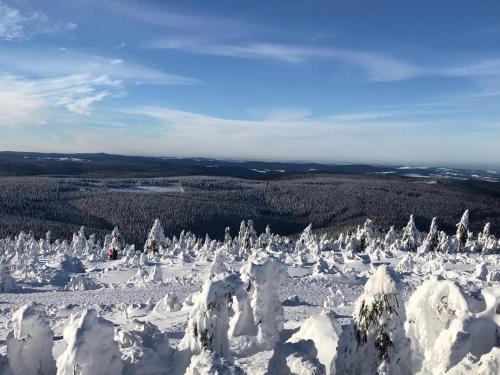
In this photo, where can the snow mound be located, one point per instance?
(137, 310)
(324, 332)
(298, 358)
(487, 364)
(436, 318)
(29, 344)
(90, 347)
(68, 264)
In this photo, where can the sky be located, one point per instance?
(381, 82)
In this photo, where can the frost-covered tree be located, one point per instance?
(249, 237)
(364, 234)
(390, 238)
(78, 243)
(156, 240)
(376, 343)
(463, 229)
(262, 278)
(411, 236)
(91, 348)
(116, 234)
(227, 236)
(208, 324)
(29, 344)
(431, 241)
(218, 266)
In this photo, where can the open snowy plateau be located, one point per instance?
(360, 303)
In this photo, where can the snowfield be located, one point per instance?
(402, 302)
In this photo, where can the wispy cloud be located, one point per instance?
(55, 62)
(22, 24)
(174, 19)
(378, 66)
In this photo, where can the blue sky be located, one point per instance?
(414, 82)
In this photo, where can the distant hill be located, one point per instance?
(107, 165)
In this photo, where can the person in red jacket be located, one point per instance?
(111, 253)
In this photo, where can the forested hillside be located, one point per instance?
(209, 204)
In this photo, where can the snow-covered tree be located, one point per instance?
(364, 234)
(411, 236)
(78, 243)
(390, 238)
(431, 241)
(377, 343)
(156, 240)
(262, 278)
(29, 344)
(116, 234)
(227, 236)
(208, 323)
(463, 229)
(91, 348)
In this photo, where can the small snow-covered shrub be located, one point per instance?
(90, 347)
(334, 299)
(140, 278)
(218, 266)
(156, 274)
(168, 303)
(145, 349)
(29, 344)
(81, 282)
(208, 363)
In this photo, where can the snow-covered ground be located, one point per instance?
(403, 302)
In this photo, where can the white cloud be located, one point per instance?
(25, 102)
(22, 24)
(11, 22)
(167, 131)
(20, 104)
